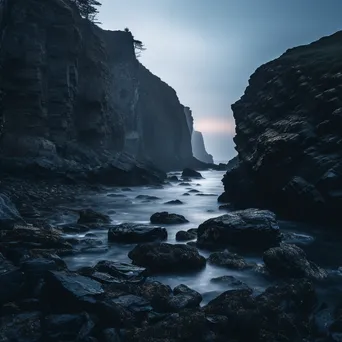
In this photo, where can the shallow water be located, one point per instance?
(319, 244)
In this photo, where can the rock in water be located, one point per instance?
(186, 235)
(189, 173)
(174, 202)
(229, 260)
(136, 233)
(166, 218)
(290, 261)
(290, 149)
(250, 228)
(164, 257)
(89, 216)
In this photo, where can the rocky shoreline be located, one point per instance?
(42, 300)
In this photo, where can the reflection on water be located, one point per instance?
(124, 206)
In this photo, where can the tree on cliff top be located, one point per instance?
(88, 9)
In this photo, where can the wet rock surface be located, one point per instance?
(136, 233)
(229, 260)
(291, 261)
(189, 173)
(288, 137)
(164, 257)
(250, 228)
(167, 218)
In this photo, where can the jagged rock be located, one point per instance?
(191, 173)
(89, 216)
(136, 233)
(290, 261)
(183, 298)
(164, 257)
(251, 228)
(166, 218)
(289, 149)
(120, 270)
(229, 260)
(186, 235)
(174, 202)
(8, 213)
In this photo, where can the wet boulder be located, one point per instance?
(136, 233)
(164, 257)
(183, 235)
(166, 218)
(183, 298)
(172, 179)
(229, 260)
(119, 270)
(90, 216)
(71, 291)
(147, 198)
(291, 261)
(250, 229)
(190, 173)
(229, 281)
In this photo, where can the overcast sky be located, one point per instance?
(207, 49)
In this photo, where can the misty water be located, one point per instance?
(123, 206)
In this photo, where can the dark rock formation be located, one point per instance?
(189, 173)
(289, 137)
(89, 216)
(163, 257)
(198, 148)
(166, 218)
(183, 235)
(290, 261)
(76, 101)
(197, 141)
(174, 202)
(250, 229)
(229, 260)
(136, 233)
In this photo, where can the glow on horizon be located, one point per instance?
(215, 125)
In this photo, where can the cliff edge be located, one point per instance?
(289, 134)
(75, 98)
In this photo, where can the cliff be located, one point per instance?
(197, 141)
(74, 96)
(289, 134)
(198, 148)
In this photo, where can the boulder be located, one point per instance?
(183, 298)
(89, 216)
(189, 173)
(229, 281)
(136, 233)
(172, 179)
(119, 270)
(166, 218)
(291, 261)
(183, 235)
(229, 260)
(164, 257)
(250, 229)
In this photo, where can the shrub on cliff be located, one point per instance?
(88, 9)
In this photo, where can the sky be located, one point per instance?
(207, 49)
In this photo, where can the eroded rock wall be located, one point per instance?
(74, 92)
(289, 134)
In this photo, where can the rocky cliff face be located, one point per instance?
(75, 94)
(289, 134)
(198, 148)
(197, 141)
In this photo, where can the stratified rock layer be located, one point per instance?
(74, 96)
(289, 134)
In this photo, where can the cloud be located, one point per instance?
(217, 124)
